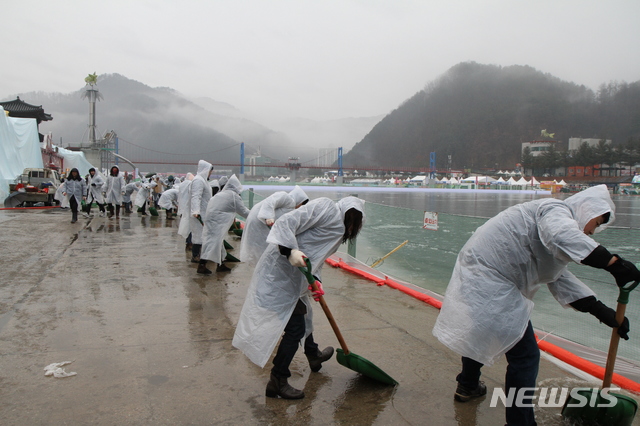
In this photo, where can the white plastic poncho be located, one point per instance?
(95, 188)
(63, 199)
(184, 206)
(254, 235)
(488, 302)
(200, 195)
(169, 199)
(143, 193)
(128, 190)
(114, 189)
(316, 229)
(221, 213)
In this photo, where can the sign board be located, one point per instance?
(430, 221)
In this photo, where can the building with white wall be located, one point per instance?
(575, 143)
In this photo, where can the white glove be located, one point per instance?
(296, 258)
(269, 222)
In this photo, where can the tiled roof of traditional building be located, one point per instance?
(19, 108)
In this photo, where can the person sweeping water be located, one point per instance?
(278, 297)
(488, 303)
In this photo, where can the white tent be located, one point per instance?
(562, 182)
(75, 159)
(512, 181)
(454, 181)
(19, 149)
(534, 181)
(500, 180)
(418, 179)
(478, 179)
(522, 181)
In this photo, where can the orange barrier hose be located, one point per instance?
(30, 208)
(586, 366)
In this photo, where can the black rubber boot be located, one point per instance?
(223, 268)
(316, 360)
(279, 387)
(203, 270)
(74, 216)
(464, 394)
(195, 253)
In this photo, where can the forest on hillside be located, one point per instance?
(481, 114)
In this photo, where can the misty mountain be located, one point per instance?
(158, 119)
(152, 122)
(343, 132)
(480, 115)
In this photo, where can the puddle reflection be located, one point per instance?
(466, 414)
(364, 398)
(208, 320)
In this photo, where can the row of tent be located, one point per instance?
(488, 180)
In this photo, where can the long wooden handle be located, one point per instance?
(613, 347)
(332, 321)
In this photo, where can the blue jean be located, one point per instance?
(522, 370)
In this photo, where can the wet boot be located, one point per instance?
(279, 387)
(223, 268)
(110, 215)
(203, 270)
(74, 216)
(316, 360)
(117, 212)
(195, 253)
(464, 394)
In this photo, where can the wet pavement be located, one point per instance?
(150, 340)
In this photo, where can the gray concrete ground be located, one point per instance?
(150, 340)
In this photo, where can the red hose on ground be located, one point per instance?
(30, 208)
(556, 351)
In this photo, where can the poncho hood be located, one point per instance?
(204, 167)
(591, 203)
(298, 195)
(233, 185)
(351, 203)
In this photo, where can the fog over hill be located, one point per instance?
(478, 114)
(481, 114)
(164, 120)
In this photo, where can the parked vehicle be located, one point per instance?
(33, 186)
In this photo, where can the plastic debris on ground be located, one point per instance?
(57, 371)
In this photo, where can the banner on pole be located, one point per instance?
(430, 221)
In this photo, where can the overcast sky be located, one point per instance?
(318, 59)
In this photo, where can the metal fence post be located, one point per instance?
(351, 244)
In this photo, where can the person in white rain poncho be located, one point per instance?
(76, 189)
(277, 299)
(200, 195)
(63, 199)
(262, 217)
(184, 210)
(169, 201)
(142, 197)
(126, 197)
(221, 212)
(114, 189)
(488, 303)
(94, 192)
